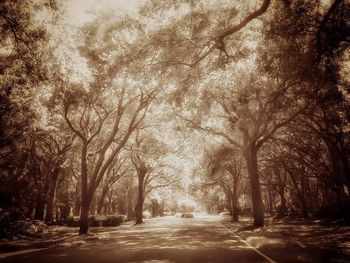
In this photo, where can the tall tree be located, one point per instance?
(146, 157)
(22, 72)
(226, 170)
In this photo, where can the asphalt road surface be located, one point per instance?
(168, 239)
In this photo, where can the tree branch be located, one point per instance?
(192, 124)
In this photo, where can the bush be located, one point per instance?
(93, 222)
(5, 224)
(28, 227)
(114, 220)
(247, 211)
(281, 212)
(334, 212)
(25, 227)
(73, 221)
(146, 214)
(98, 221)
(7, 218)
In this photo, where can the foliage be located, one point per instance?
(261, 91)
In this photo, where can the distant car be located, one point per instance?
(146, 214)
(168, 213)
(187, 215)
(225, 213)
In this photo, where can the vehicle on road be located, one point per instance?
(225, 213)
(187, 215)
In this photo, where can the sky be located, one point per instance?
(78, 10)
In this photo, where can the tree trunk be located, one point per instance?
(234, 209)
(304, 209)
(299, 192)
(161, 210)
(130, 206)
(139, 204)
(139, 210)
(109, 204)
(85, 196)
(140, 198)
(101, 201)
(252, 166)
(51, 196)
(282, 211)
(93, 205)
(65, 213)
(229, 203)
(283, 202)
(31, 207)
(84, 217)
(39, 209)
(234, 200)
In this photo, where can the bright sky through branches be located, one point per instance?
(79, 11)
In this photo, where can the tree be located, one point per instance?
(146, 157)
(48, 155)
(106, 110)
(264, 99)
(225, 169)
(22, 72)
(91, 118)
(115, 171)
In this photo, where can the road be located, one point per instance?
(168, 239)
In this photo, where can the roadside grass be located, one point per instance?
(55, 236)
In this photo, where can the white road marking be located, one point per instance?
(25, 251)
(170, 233)
(270, 260)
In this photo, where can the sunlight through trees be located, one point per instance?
(240, 107)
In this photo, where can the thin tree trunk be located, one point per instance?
(234, 201)
(139, 207)
(51, 196)
(65, 213)
(140, 198)
(77, 203)
(39, 209)
(229, 202)
(281, 192)
(109, 204)
(283, 202)
(130, 209)
(234, 209)
(299, 193)
(101, 201)
(161, 211)
(269, 199)
(85, 198)
(252, 165)
(304, 186)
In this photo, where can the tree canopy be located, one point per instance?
(244, 101)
